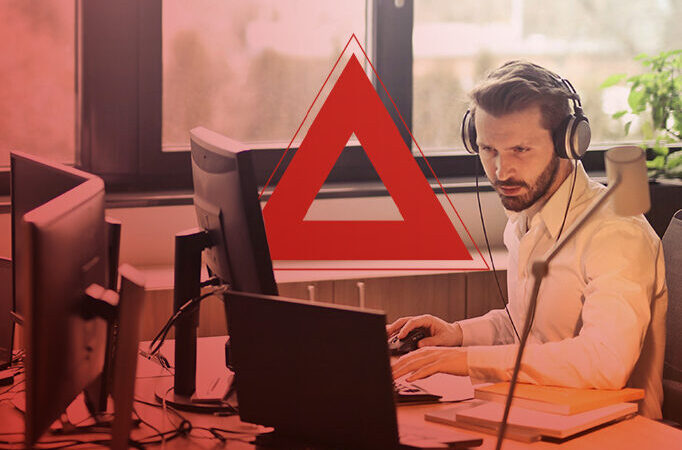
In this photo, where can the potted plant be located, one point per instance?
(656, 98)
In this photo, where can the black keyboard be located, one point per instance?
(410, 393)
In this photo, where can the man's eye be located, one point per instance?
(521, 149)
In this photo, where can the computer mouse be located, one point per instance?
(397, 347)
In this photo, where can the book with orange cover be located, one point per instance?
(557, 400)
(528, 425)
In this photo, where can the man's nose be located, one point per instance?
(504, 167)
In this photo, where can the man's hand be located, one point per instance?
(442, 333)
(429, 360)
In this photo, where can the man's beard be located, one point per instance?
(520, 202)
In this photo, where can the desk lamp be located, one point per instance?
(627, 181)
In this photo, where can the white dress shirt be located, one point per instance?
(600, 317)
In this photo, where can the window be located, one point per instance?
(457, 43)
(151, 70)
(249, 69)
(37, 75)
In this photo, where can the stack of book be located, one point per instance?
(541, 411)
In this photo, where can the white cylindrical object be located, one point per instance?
(361, 294)
(629, 164)
(311, 292)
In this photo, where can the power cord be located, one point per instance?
(183, 428)
(159, 339)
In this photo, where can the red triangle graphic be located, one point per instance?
(353, 106)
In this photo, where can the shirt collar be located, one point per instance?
(552, 210)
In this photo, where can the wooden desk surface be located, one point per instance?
(635, 433)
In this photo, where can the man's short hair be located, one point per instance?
(517, 85)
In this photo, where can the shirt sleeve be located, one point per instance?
(619, 267)
(492, 328)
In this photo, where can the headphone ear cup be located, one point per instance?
(572, 137)
(468, 133)
(581, 133)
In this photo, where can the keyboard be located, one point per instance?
(411, 393)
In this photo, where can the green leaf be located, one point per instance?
(612, 80)
(674, 160)
(656, 163)
(637, 101)
(618, 114)
(659, 149)
(675, 172)
(627, 127)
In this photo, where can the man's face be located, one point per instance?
(518, 156)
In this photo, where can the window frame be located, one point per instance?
(119, 92)
(121, 49)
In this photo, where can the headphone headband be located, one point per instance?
(571, 138)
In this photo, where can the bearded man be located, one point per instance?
(600, 317)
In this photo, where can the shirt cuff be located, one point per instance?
(476, 331)
(491, 362)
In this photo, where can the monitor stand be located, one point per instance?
(178, 391)
(164, 392)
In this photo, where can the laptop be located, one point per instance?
(319, 374)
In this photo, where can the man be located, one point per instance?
(600, 318)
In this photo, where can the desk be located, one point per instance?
(637, 433)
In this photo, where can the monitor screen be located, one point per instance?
(60, 250)
(6, 322)
(227, 206)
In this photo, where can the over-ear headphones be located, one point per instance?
(571, 138)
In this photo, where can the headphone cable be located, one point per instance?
(490, 254)
(563, 222)
(570, 197)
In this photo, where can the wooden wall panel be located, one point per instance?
(482, 293)
(440, 295)
(157, 309)
(346, 292)
(324, 290)
(450, 296)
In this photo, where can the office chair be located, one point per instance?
(672, 369)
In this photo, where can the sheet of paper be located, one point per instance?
(451, 388)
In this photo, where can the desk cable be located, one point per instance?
(157, 342)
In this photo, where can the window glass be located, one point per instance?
(457, 42)
(249, 69)
(37, 75)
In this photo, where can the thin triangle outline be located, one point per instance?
(295, 220)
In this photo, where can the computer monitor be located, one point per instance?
(34, 181)
(227, 206)
(231, 235)
(6, 322)
(60, 249)
(318, 374)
